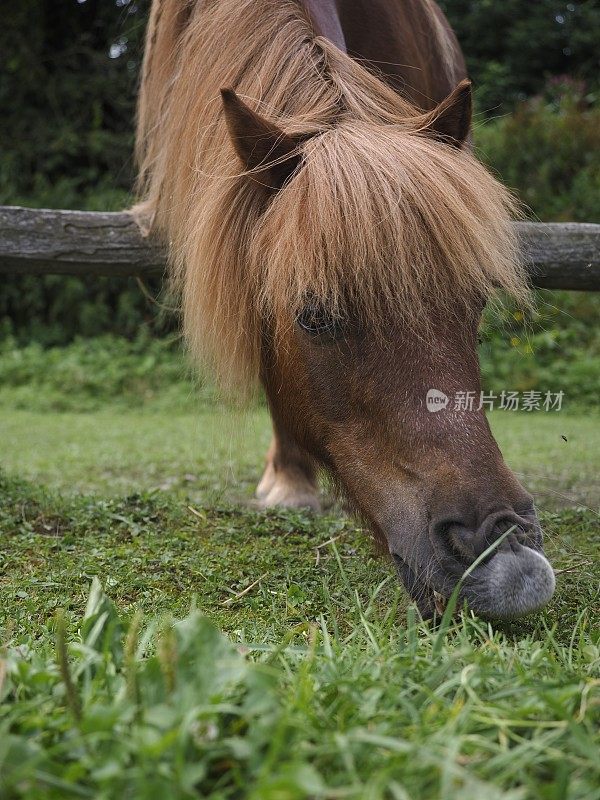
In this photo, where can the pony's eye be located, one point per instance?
(317, 321)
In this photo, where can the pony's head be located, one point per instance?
(374, 256)
(339, 245)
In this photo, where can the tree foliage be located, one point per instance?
(68, 79)
(513, 47)
(67, 92)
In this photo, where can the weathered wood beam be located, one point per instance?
(85, 243)
(562, 255)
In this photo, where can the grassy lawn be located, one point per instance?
(116, 451)
(215, 454)
(323, 684)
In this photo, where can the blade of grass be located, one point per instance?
(452, 602)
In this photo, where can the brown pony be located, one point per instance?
(334, 239)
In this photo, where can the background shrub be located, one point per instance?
(68, 82)
(548, 150)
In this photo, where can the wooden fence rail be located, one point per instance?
(85, 243)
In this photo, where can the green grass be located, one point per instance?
(322, 684)
(556, 455)
(392, 710)
(337, 691)
(115, 451)
(162, 552)
(212, 454)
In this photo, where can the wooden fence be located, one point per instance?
(37, 241)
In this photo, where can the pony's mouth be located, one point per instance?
(514, 580)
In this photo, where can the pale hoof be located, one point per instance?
(286, 491)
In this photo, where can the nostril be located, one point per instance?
(525, 531)
(442, 527)
(465, 540)
(450, 534)
(468, 543)
(516, 535)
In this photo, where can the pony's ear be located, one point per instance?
(263, 148)
(450, 121)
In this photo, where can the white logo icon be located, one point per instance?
(436, 400)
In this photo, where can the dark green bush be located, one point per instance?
(90, 372)
(552, 348)
(513, 48)
(55, 310)
(548, 150)
(68, 81)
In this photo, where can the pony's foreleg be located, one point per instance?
(289, 479)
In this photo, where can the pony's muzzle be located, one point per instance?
(513, 580)
(517, 580)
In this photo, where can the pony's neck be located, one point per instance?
(325, 20)
(409, 44)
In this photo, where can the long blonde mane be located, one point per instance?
(379, 215)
